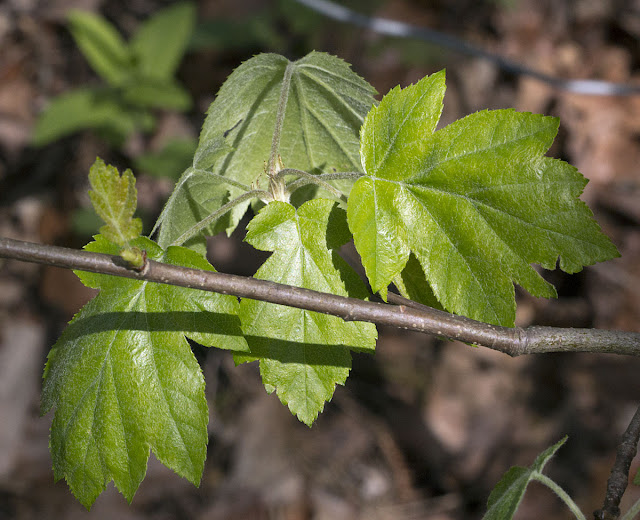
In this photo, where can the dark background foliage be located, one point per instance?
(422, 430)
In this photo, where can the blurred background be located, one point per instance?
(424, 429)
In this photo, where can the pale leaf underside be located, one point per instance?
(327, 103)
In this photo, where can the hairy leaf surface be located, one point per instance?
(303, 354)
(196, 195)
(326, 105)
(476, 202)
(115, 199)
(123, 380)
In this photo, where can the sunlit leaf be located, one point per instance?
(476, 202)
(303, 354)
(115, 199)
(123, 380)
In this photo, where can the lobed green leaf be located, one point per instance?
(115, 199)
(476, 203)
(303, 354)
(123, 380)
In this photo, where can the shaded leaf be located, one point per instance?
(196, 195)
(102, 45)
(170, 161)
(153, 93)
(303, 354)
(476, 202)
(412, 284)
(83, 109)
(123, 380)
(507, 494)
(159, 44)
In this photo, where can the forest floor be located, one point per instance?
(425, 428)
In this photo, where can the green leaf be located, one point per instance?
(507, 494)
(476, 202)
(413, 285)
(170, 161)
(115, 200)
(102, 45)
(258, 30)
(157, 93)
(196, 195)
(83, 109)
(161, 41)
(303, 354)
(123, 380)
(327, 103)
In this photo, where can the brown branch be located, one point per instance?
(408, 315)
(619, 479)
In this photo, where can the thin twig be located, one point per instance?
(617, 483)
(512, 341)
(396, 28)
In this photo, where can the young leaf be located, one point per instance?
(326, 106)
(123, 380)
(115, 200)
(161, 41)
(102, 45)
(476, 202)
(507, 494)
(303, 354)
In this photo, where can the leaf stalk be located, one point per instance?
(276, 183)
(196, 228)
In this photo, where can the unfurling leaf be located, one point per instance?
(476, 203)
(115, 198)
(123, 380)
(303, 354)
(326, 105)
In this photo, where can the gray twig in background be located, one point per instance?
(404, 30)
